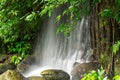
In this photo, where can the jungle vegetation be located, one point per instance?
(20, 20)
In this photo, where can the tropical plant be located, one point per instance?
(116, 47)
(117, 77)
(15, 59)
(19, 22)
(98, 75)
(95, 75)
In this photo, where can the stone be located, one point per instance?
(35, 78)
(54, 74)
(11, 75)
(79, 69)
(26, 63)
(4, 67)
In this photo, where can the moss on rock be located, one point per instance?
(54, 74)
(36, 78)
(11, 75)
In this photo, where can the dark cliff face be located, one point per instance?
(79, 69)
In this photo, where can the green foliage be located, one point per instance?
(19, 47)
(30, 17)
(106, 13)
(117, 2)
(116, 16)
(110, 16)
(50, 5)
(76, 9)
(58, 17)
(65, 29)
(2, 3)
(112, 11)
(95, 75)
(16, 59)
(98, 75)
(116, 47)
(19, 21)
(104, 59)
(117, 77)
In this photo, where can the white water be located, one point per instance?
(58, 52)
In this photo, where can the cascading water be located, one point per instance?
(60, 52)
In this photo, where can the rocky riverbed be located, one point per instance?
(9, 71)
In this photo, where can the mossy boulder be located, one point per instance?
(54, 74)
(35, 78)
(11, 75)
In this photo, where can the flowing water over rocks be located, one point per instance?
(50, 74)
(59, 52)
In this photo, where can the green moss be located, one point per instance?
(36, 78)
(11, 75)
(53, 74)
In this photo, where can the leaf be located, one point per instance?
(49, 13)
(116, 47)
(35, 1)
(71, 8)
(65, 12)
(58, 17)
(95, 75)
(26, 37)
(44, 11)
(117, 3)
(106, 13)
(116, 16)
(30, 17)
(117, 77)
(71, 2)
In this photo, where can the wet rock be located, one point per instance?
(35, 78)
(79, 69)
(26, 63)
(54, 74)
(11, 75)
(6, 66)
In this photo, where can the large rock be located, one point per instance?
(11, 75)
(26, 63)
(4, 67)
(80, 69)
(35, 78)
(53, 74)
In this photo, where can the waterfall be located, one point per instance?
(60, 52)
